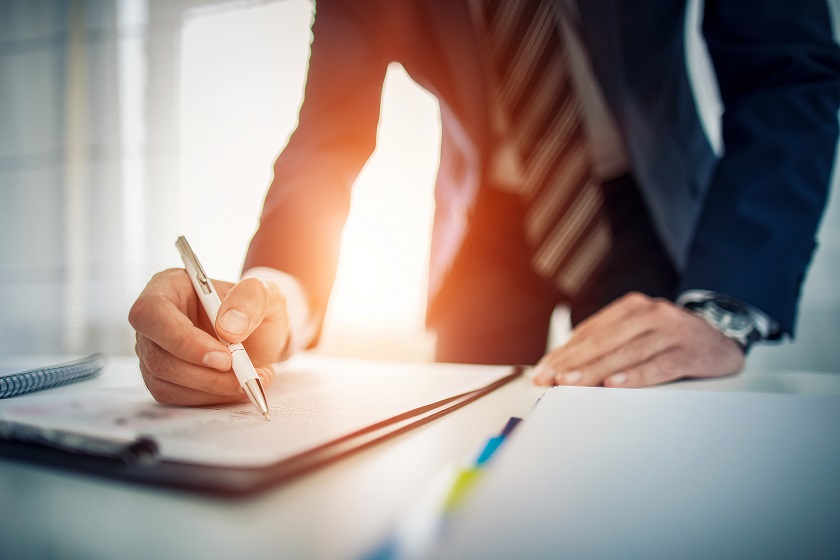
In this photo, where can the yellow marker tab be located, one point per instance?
(461, 488)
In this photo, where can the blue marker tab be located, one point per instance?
(423, 525)
(489, 448)
(493, 443)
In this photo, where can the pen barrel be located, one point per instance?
(210, 302)
(206, 292)
(242, 365)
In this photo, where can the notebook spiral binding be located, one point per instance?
(19, 383)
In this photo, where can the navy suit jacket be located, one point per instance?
(742, 224)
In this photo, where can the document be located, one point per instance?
(314, 402)
(637, 473)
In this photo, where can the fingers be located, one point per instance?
(606, 332)
(175, 381)
(659, 369)
(242, 310)
(254, 312)
(166, 313)
(181, 360)
(611, 367)
(640, 341)
(677, 363)
(266, 376)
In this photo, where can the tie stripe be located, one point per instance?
(555, 85)
(565, 218)
(543, 165)
(524, 65)
(548, 203)
(560, 241)
(593, 249)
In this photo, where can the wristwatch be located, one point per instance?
(733, 319)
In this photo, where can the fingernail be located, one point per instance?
(265, 378)
(572, 377)
(618, 379)
(234, 322)
(543, 374)
(217, 360)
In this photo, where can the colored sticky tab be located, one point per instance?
(493, 443)
(461, 488)
(511, 424)
(466, 478)
(489, 448)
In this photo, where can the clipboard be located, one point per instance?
(239, 481)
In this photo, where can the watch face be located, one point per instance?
(731, 319)
(729, 306)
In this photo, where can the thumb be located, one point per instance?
(242, 310)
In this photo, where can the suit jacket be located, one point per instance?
(742, 224)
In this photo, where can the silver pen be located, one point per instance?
(210, 300)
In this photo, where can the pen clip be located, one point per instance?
(190, 258)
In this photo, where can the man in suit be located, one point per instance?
(707, 253)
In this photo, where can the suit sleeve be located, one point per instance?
(778, 69)
(308, 201)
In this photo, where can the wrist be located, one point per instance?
(734, 319)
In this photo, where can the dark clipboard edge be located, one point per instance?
(241, 482)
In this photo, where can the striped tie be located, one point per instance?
(565, 219)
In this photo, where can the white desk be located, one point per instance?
(341, 511)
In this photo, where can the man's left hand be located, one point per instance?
(638, 341)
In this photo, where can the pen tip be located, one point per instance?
(267, 416)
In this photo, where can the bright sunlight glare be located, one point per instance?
(243, 72)
(379, 301)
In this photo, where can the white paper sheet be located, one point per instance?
(313, 401)
(634, 473)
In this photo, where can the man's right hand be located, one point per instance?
(181, 359)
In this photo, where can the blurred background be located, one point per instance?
(125, 123)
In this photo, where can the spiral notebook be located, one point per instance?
(16, 382)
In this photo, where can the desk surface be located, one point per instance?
(341, 511)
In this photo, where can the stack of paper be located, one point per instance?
(612, 473)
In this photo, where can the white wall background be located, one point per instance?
(127, 123)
